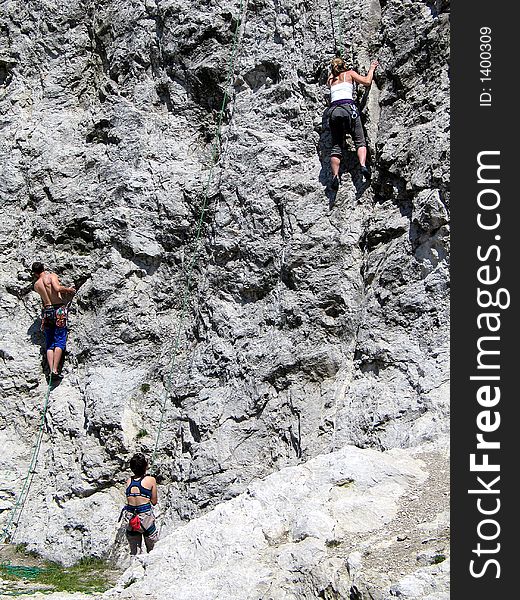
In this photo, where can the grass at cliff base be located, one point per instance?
(89, 575)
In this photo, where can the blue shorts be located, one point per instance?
(55, 337)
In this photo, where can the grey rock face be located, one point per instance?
(310, 322)
(308, 531)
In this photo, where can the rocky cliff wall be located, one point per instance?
(312, 322)
(352, 524)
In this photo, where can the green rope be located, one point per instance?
(340, 48)
(186, 293)
(20, 571)
(20, 502)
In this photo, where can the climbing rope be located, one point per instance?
(338, 48)
(333, 30)
(21, 571)
(186, 292)
(10, 529)
(341, 49)
(24, 577)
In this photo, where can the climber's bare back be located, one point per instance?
(48, 287)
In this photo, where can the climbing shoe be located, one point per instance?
(365, 171)
(335, 183)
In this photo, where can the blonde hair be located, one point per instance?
(338, 66)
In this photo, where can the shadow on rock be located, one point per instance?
(36, 335)
(331, 196)
(55, 383)
(360, 184)
(324, 146)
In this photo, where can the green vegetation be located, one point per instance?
(88, 575)
(141, 434)
(145, 387)
(438, 559)
(22, 549)
(129, 583)
(7, 574)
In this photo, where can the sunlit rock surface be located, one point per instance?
(312, 322)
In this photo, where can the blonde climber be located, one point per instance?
(344, 116)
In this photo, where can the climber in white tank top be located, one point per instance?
(342, 90)
(341, 84)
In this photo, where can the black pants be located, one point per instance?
(340, 125)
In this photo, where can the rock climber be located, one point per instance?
(344, 116)
(55, 298)
(141, 494)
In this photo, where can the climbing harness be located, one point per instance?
(135, 523)
(48, 317)
(55, 315)
(214, 160)
(350, 109)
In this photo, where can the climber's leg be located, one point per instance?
(358, 135)
(58, 353)
(135, 539)
(55, 341)
(335, 162)
(362, 155)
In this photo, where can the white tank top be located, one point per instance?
(341, 91)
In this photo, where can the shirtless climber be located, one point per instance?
(54, 314)
(344, 116)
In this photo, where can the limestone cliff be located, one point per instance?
(313, 322)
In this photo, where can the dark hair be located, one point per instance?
(138, 464)
(37, 267)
